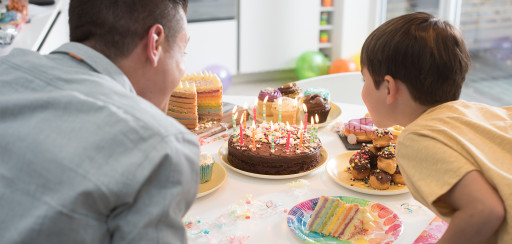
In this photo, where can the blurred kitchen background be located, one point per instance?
(257, 43)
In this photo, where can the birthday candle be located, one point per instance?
(305, 117)
(272, 136)
(312, 131)
(233, 115)
(254, 109)
(245, 121)
(253, 136)
(272, 141)
(241, 131)
(234, 125)
(316, 127)
(288, 140)
(279, 103)
(265, 109)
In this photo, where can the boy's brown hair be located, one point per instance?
(426, 54)
(115, 27)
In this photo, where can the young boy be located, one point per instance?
(455, 156)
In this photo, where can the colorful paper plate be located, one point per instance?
(336, 166)
(388, 225)
(333, 115)
(223, 155)
(219, 175)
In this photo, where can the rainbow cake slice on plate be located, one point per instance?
(335, 218)
(209, 95)
(183, 105)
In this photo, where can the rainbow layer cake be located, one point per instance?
(209, 95)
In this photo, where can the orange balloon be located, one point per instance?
(342, 65)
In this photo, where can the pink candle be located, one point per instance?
(288, 142)
(305, 116)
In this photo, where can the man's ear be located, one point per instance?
(391, 89)
(156, 38)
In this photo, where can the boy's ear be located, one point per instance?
(391, 89)
(155, 37)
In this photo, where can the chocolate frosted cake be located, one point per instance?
(259, 158)
(317, 105)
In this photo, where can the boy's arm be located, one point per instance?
(479, 210)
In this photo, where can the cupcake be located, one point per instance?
(205, 167)
(320, 91)
(290, 90)
(272, 95)
(317, 105)
(288, 110)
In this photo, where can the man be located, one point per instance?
(87, 153)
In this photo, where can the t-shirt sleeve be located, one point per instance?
(165, 195)
(431, 168)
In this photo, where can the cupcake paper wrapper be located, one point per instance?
(206, 172)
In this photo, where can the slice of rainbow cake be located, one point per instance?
(343, 221)
(183, 105)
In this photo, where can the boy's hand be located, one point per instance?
(479, 210)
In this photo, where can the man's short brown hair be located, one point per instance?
(115, 27)
(426, 54)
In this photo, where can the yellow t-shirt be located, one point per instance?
(446, 142)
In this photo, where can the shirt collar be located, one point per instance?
(97, 62)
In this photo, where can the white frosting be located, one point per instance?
(205, 159)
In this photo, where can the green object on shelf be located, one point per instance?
(311, 64)
(324, 17)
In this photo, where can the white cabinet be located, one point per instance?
(212, 43)
(274, 33)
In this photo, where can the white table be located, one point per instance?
(272, 228)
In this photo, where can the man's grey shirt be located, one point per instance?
(83, 159)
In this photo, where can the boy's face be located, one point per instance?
(375, 101)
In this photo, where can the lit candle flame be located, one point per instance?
(266, 98)
(316, 118)
(304, 108)
(234, 109)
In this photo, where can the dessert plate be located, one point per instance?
(223, 155)
(388, 225)
(218, 177)
(334, 114)
(336, 170)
